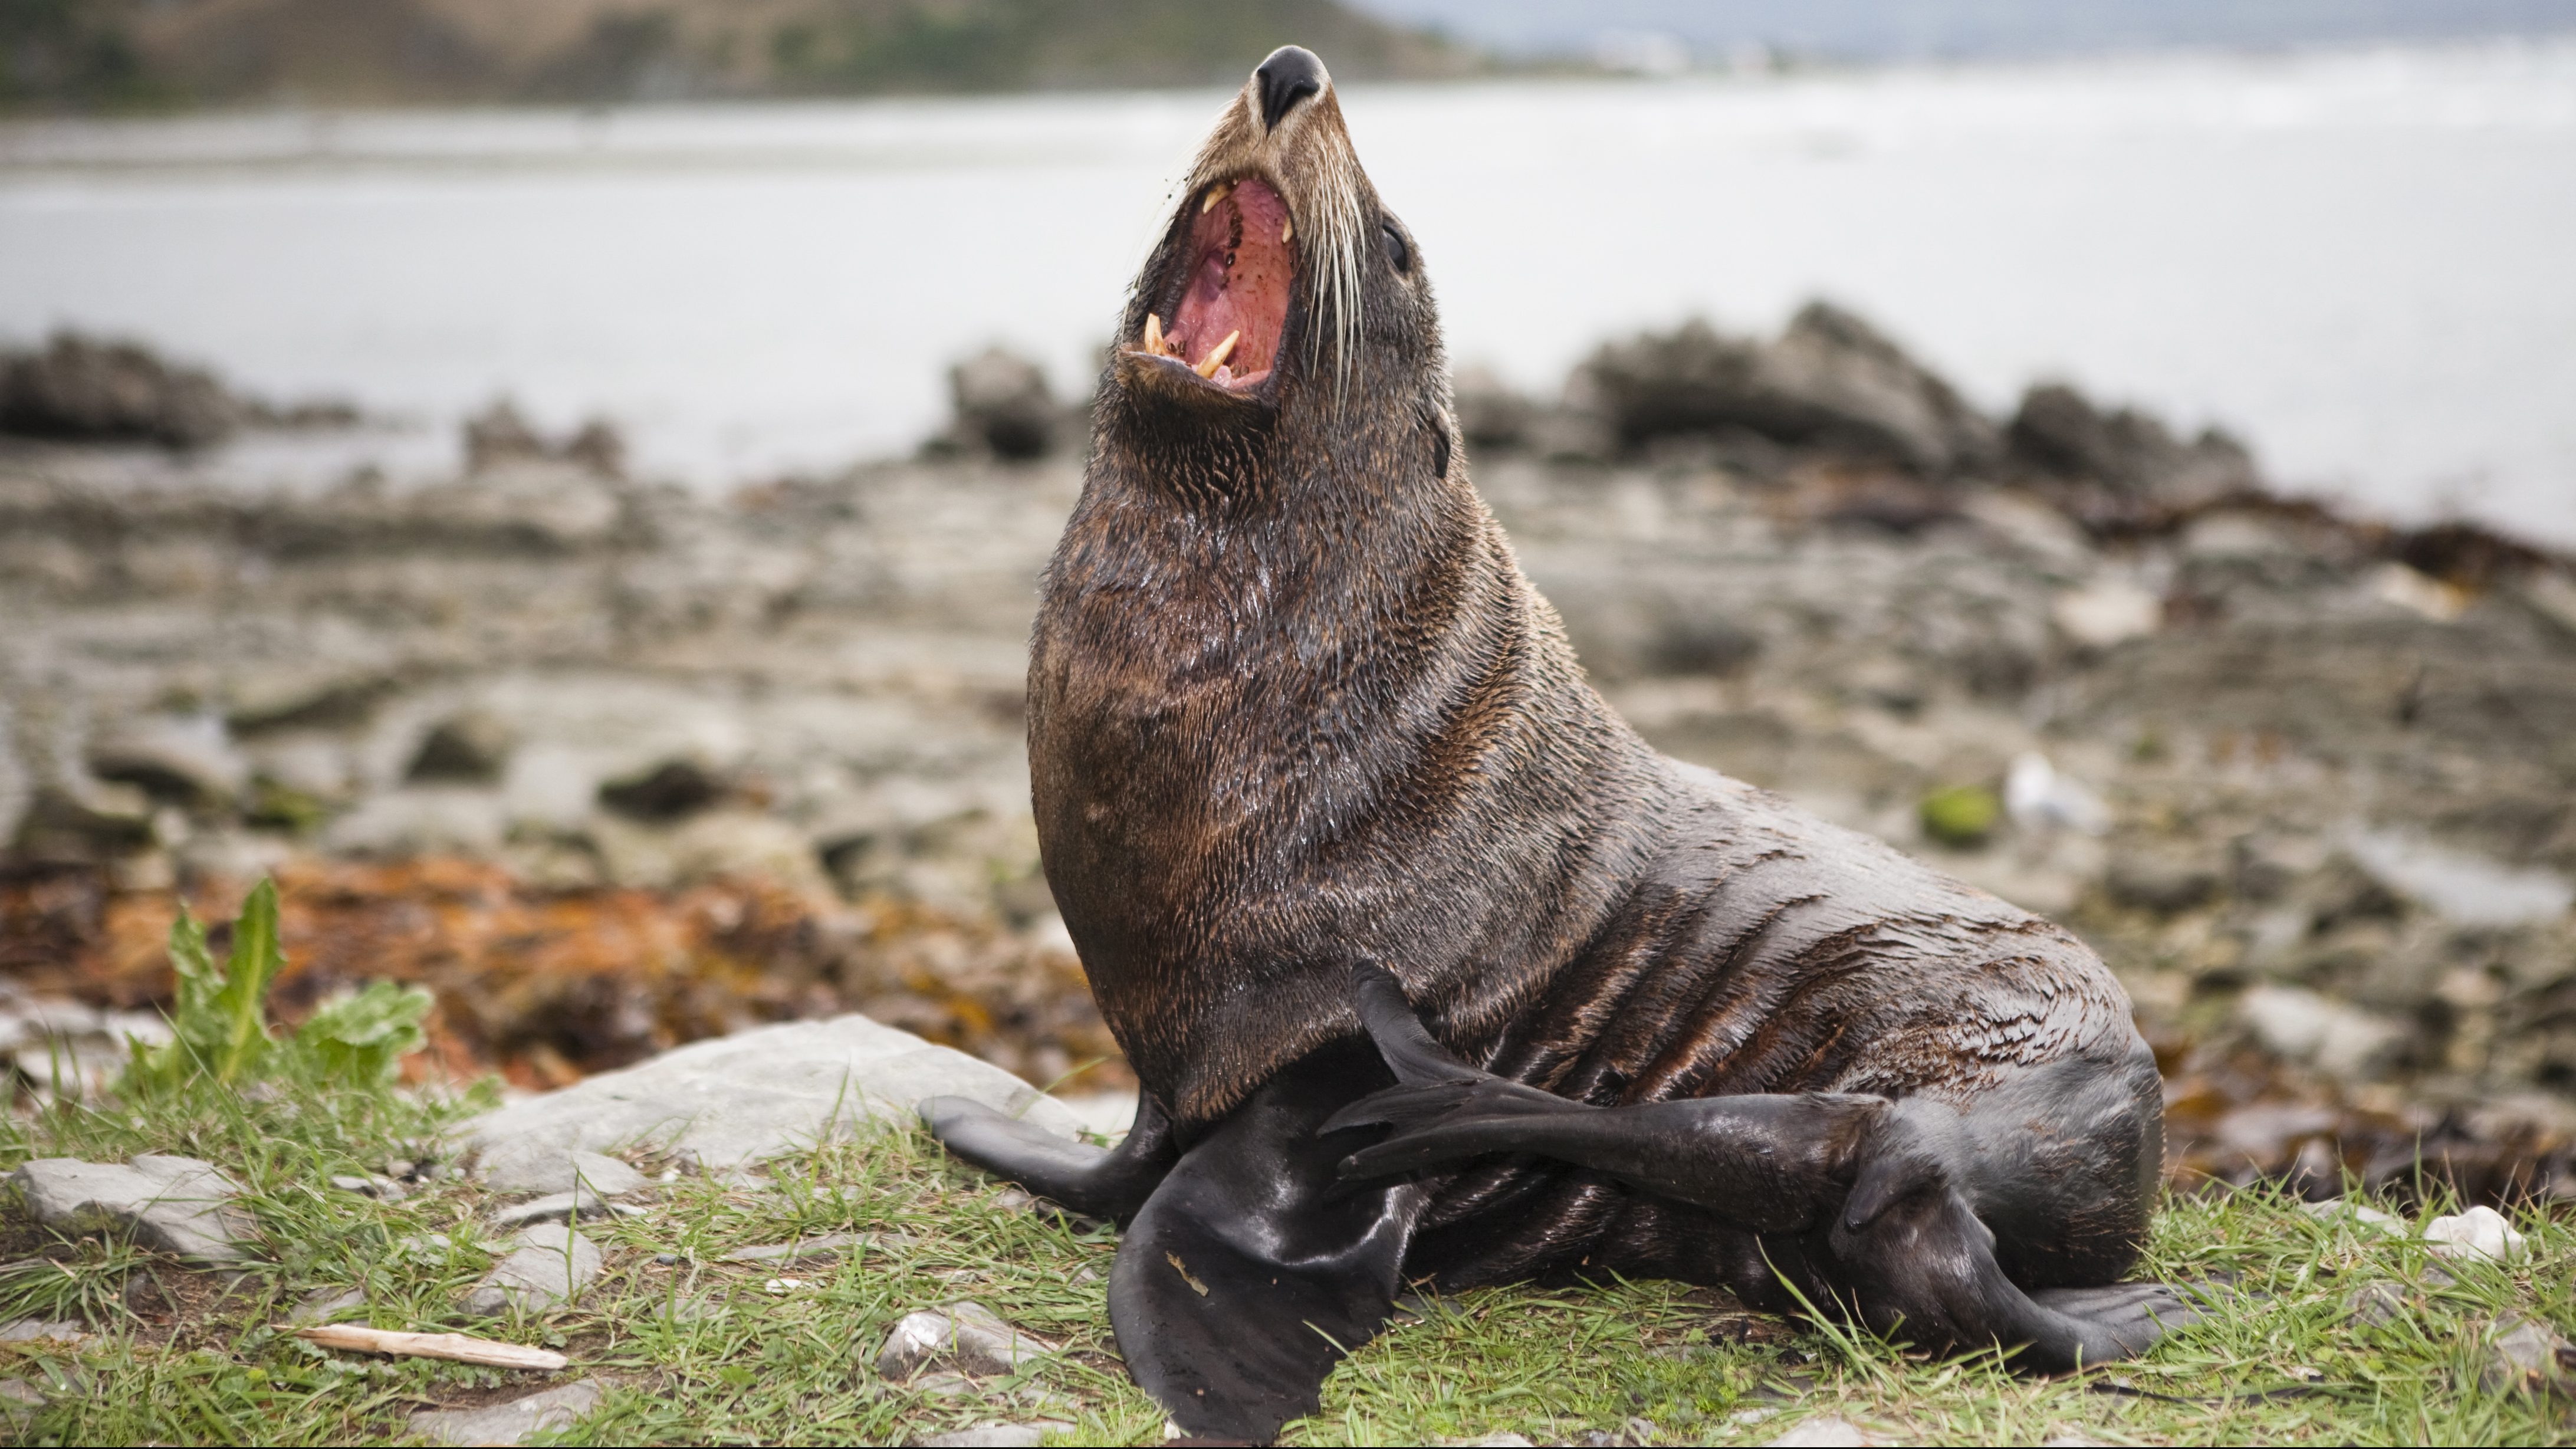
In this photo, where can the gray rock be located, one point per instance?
(85, 389)
(186, 760)
(509, 1423)
(1003, 404)
(2060, 433)
(85, 821)
(1490, 412)
(19, 1395)
(2164, 884)
(422, 820)
(1504, 1440)
(667, 790)
(175, 1205)
(327, 1305)
(525, 1167)
(2481, 1233)
(2467, 888)
(808, 1250)
(34, 1330)
(305, 696)
(1829, 380)
(383, 1189)
(759, 1094)
(559, 1207)
(2377, 1305)
(2528, 1356)
(1829, 1432)
(551, 1267)
(988, 1436)
(470, 747)
(2345, 1041)
(963, 1338)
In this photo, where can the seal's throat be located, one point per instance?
(1228, 301)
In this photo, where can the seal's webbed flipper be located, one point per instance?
(1253, 1268)
(1102, 1183)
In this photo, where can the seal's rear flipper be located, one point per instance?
(1254, 1268)
(1111, 1183)
(2134, 1316)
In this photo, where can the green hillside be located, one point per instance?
(93, 55)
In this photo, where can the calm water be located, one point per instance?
(2364, 262)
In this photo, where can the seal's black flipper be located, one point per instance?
(1102, 1183)
(2132, 1315)
(1392, 1024)
(1253, 1268)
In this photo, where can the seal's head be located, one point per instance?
(1281, 283)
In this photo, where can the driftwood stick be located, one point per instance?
(462, 1347)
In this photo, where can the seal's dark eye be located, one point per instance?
(1396, 251)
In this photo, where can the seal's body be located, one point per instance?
(1428, 964)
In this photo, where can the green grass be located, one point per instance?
(702, 1352)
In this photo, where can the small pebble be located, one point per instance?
(2481, 1232)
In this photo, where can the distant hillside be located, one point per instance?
(62, 55)
(1903, 29)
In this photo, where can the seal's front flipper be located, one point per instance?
(1102, 1183)
(1254, 1268)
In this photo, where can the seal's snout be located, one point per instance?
(1270, 237)
(1291, 74)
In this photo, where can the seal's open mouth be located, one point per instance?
(1234, 296)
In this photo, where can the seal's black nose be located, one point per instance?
(1291, 74)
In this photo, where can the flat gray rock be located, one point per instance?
(509, 1423)
(35, 1330)
(2526, 1355)
(327, 1305)
(757, 1095)
(561, 1207)
(531, 1166)
(806, 1250)
(175, 1205)
(988, 1436)
(966, 1338)
(550, 1267)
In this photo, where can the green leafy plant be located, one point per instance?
(359, 1038)
(220, 1029)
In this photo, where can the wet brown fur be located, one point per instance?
(1293, 705)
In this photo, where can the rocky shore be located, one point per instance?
(613, 767)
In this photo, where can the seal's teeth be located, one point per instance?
(1285, 228)
(1153, 334)
(1218, 354)
(1215, 194)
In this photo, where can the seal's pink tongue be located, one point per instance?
(1241, 266)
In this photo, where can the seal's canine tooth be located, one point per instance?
(1218, 354)
(1215, 194)
(1397, 920)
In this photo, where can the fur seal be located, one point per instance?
(1428, 964)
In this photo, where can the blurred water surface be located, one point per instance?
(2361, 260)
